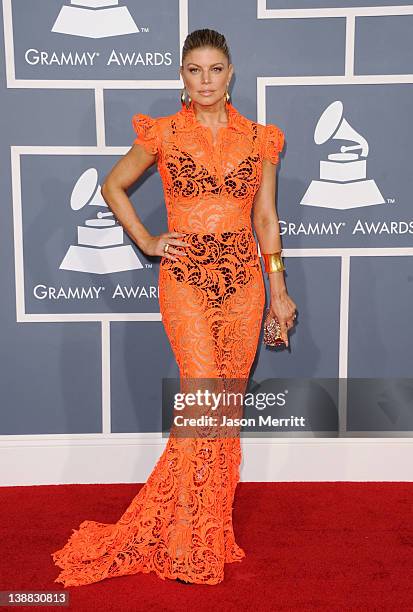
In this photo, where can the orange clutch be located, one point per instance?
(272, 330)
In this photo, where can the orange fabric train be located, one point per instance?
(179, 525)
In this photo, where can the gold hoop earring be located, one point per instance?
(185, 99)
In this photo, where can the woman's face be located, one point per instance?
(206, 74)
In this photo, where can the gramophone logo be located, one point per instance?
(95, 19)
(343, 183)
(100, 248)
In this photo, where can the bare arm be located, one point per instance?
(266, 225)
(124, 174)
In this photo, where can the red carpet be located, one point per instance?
(333, 546)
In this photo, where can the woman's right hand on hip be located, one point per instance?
(155, 245)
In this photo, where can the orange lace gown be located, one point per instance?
(179, 524)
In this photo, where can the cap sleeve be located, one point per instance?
(147, 131)
(273, 143)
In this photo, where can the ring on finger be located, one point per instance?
(166, 247)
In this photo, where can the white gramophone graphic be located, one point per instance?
(343, 183)
(94, 19)
(100, 248)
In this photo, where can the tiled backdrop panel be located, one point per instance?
(63, 123)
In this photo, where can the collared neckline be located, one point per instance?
(236, 121)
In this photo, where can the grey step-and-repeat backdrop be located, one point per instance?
(83, 347)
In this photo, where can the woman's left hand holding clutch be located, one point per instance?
(283, 308)
(281, 304)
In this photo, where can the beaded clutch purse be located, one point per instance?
(272, 330)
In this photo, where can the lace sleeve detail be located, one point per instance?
(273, 143)
(147, 131)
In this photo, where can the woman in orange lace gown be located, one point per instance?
(211, 295)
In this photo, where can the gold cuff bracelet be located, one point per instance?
(273, 262)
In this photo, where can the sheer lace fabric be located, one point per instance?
(179, 525)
